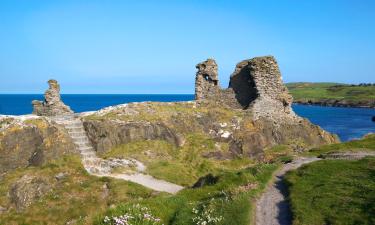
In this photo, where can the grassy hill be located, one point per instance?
(334, 94)
(333, 192)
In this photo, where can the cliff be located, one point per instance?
(31, 141)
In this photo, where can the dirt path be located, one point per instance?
(272, 207)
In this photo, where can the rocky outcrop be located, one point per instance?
(106, 134)
(264, 133)
(52, 104)
(31, 142)
(28, 189)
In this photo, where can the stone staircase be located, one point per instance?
(104, 167)
(91, 162)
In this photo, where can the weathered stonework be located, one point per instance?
(206, 80)
(52, 104)
(255, 85)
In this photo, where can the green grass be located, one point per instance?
(77, 197)
(335, 192)
(363, 145)
(229, 198)
(326, 91)
(182, 165)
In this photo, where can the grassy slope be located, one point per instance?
(363, 145)
(77, 197)
(324, 91)
(178, 165)
(229, 199)
(333, 192)
(239, 180)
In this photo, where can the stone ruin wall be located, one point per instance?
(255, 85)
(207, 80)
(52, 104)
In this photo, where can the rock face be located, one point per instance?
(33, 142)
(52, 104)
(105, 135)
(28, 189)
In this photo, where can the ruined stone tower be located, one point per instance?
(254, 85)
(52, 104)
(206, 80)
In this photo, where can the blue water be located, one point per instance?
(347, 123)
(21, 104)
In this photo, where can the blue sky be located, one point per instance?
(116, 46)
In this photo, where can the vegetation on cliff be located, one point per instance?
(333, 94)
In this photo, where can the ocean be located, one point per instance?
(347, 123)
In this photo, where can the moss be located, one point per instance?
(39, 123)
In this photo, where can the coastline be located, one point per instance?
(335, 103)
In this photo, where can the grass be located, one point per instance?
(179, 116)
(77, 197)
(182, 165)
(327, 91)
(228, 199)
(362, 145)
(335, 192)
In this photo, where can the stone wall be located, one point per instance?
(255, 85)
(206, 80)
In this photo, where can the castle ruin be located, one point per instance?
(52, 104)
(254, 85)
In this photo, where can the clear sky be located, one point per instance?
(120, 46)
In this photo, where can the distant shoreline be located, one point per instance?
(329, 103)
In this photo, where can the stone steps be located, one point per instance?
(103, 167)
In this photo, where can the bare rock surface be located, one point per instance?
(108, 134)
(31, 141)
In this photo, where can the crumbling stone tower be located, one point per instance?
(52, 104)
(254, 85)
(206, 80)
